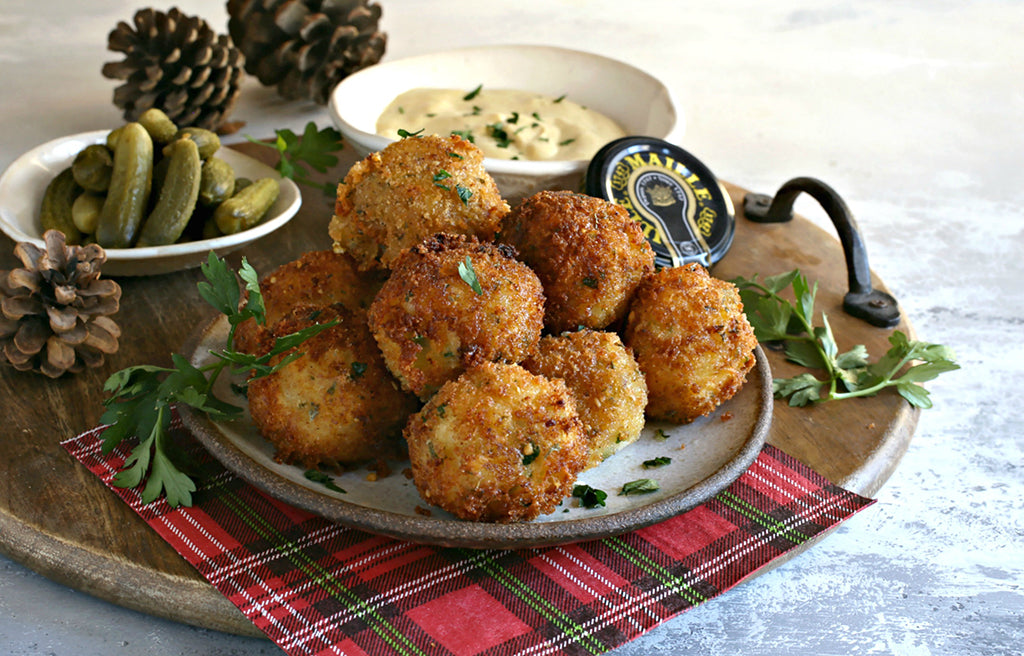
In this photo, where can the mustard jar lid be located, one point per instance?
(685, 212)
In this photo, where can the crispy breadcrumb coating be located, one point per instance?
(414, 188)
(337, 403)
(692, 341)
(430, 323)
(497, 444)
(316, 278)
(606, 381)
(589, 254)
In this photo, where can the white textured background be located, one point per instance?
(912, 110)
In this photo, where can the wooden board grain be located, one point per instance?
(58, 519)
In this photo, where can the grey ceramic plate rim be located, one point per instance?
(441, 531)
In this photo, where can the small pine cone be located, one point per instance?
(55, 310)
(177, 64)
(305, 47)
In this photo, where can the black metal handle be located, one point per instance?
(871, 305)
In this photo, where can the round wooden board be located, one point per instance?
(61, 521)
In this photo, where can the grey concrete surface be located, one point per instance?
(913, 110)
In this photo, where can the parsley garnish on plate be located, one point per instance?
(589, 497)
(660, 461)
(640, 486)
(141, 397)
(846, 375)
(324, 479)
(314, 149)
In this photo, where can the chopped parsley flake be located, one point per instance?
(589, 497)
(403, 133)
(357, 370)
(640, 486)
(320, 477)
(499, 134)
(464, 192)
(660, 461)
(441, 175)
(468, 275)
(474, 93)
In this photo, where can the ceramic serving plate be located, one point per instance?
(23, 183)
(635, 99)
(706, 456)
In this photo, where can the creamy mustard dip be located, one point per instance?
(503, 123)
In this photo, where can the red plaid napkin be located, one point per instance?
(315, 587)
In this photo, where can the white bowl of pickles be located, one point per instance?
(522, 149)
(24, 184)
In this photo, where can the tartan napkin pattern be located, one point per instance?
(316, 587)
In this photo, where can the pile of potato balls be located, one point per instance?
(503, 350)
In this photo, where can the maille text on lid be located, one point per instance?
(685, 213)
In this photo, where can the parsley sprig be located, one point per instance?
(848, 374)
(313, 149)
(141, 397)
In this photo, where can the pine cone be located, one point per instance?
(54, 310)
(175, 63)
(306, 47)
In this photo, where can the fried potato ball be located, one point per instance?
(430, 322)
(606, 381)
(497, 444)
(588, 253)
(316, 278)
(335, 404)
(412, 189)
(692, 341)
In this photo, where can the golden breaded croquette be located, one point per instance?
(588, 253)
(314, 278)
(430, 322)
(497, 444)
(412, 189)
(692, 341)
(606, 380)
(336, 403)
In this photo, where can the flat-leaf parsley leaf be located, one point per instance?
(847, 374)
(141, 397)
(314, 149)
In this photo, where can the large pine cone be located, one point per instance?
(55, 310)
(305, 47)
(175, 63)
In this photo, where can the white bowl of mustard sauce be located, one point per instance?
(631, 98)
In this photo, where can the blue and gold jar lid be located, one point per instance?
(685, 212)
